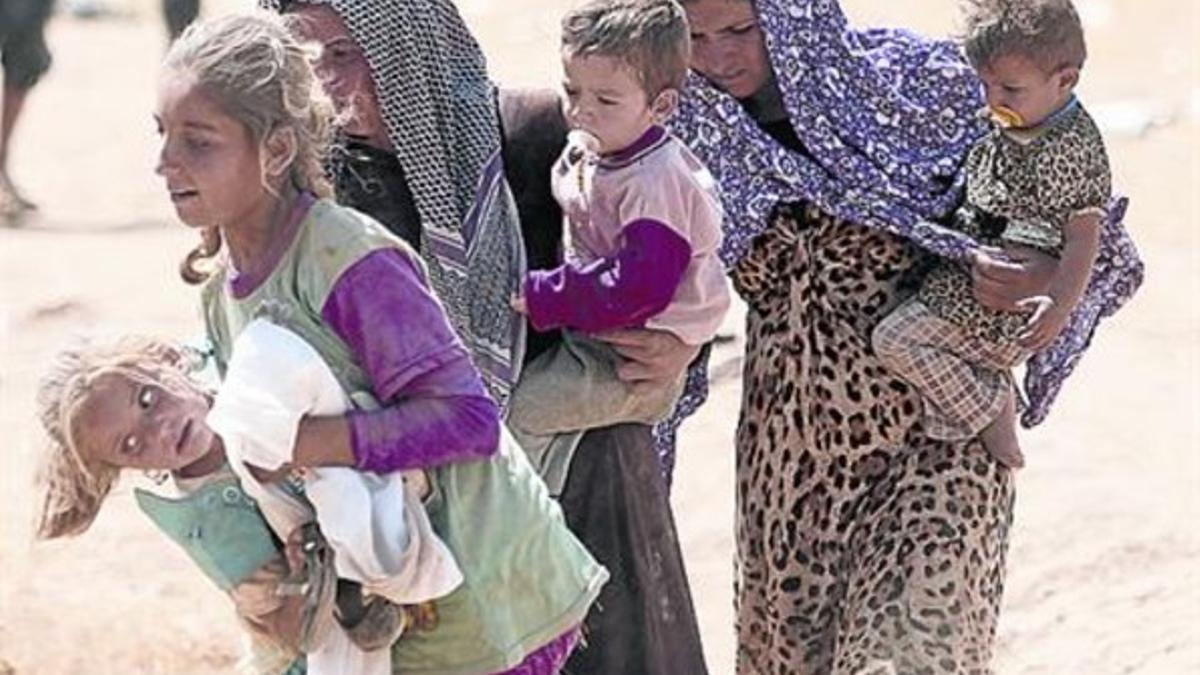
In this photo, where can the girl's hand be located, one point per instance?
(1048, 319)
(518, 304)
(293, 552)
(1005, 277)
(652, 356)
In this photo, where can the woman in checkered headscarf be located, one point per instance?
(435, 114)
(419, 152)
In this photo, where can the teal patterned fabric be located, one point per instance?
(218, 526)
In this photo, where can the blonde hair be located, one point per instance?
(1047, 31)
(261, 76)
(75, 486)
(650, 36)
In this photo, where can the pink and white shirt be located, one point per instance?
(640, 241)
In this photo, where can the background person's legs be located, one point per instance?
(179, 14)
(11, 201)
(25, 58)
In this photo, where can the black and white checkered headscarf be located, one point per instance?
(440, 111)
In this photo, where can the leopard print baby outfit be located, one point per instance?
(1032, 186)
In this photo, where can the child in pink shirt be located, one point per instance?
(642, 230)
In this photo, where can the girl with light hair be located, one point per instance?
(244, 130)
(131, 403)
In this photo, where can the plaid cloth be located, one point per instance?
(964, 380)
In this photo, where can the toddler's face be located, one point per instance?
(209, 159)
(604, 98)
(1016, 83)
(134, 424)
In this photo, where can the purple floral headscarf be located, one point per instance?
(888, 117)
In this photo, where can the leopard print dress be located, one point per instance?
(862, 546)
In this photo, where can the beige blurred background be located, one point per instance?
(1105, 555)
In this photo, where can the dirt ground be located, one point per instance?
(1104, 562)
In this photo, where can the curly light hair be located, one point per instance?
(1047, 31)
(261, 76)
(73, 484)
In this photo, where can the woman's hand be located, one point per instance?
(294, 554)
(654, 357)
(518, 304)
(1004, 277)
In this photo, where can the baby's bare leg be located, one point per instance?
(1000, 437)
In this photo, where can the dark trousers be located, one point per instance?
(179, 14)
(616, 502)
(24, 56)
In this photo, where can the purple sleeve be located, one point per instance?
(618, 291)
(435, 407)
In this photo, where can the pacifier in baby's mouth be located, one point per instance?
(1005, 117)
(582, 143)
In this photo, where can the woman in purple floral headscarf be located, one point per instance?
(862, 545)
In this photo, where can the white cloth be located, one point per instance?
(376, 525)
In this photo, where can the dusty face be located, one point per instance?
(131, 422)
(209, 160)
(1016, 83)
(604, 98)
(343, 70)
(727, 45)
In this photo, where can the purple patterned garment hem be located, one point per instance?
(886, 118)
(549, 659)
(1116, 276)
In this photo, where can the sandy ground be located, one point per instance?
(1105, 554)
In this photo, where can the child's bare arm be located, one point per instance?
(1081, 242)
